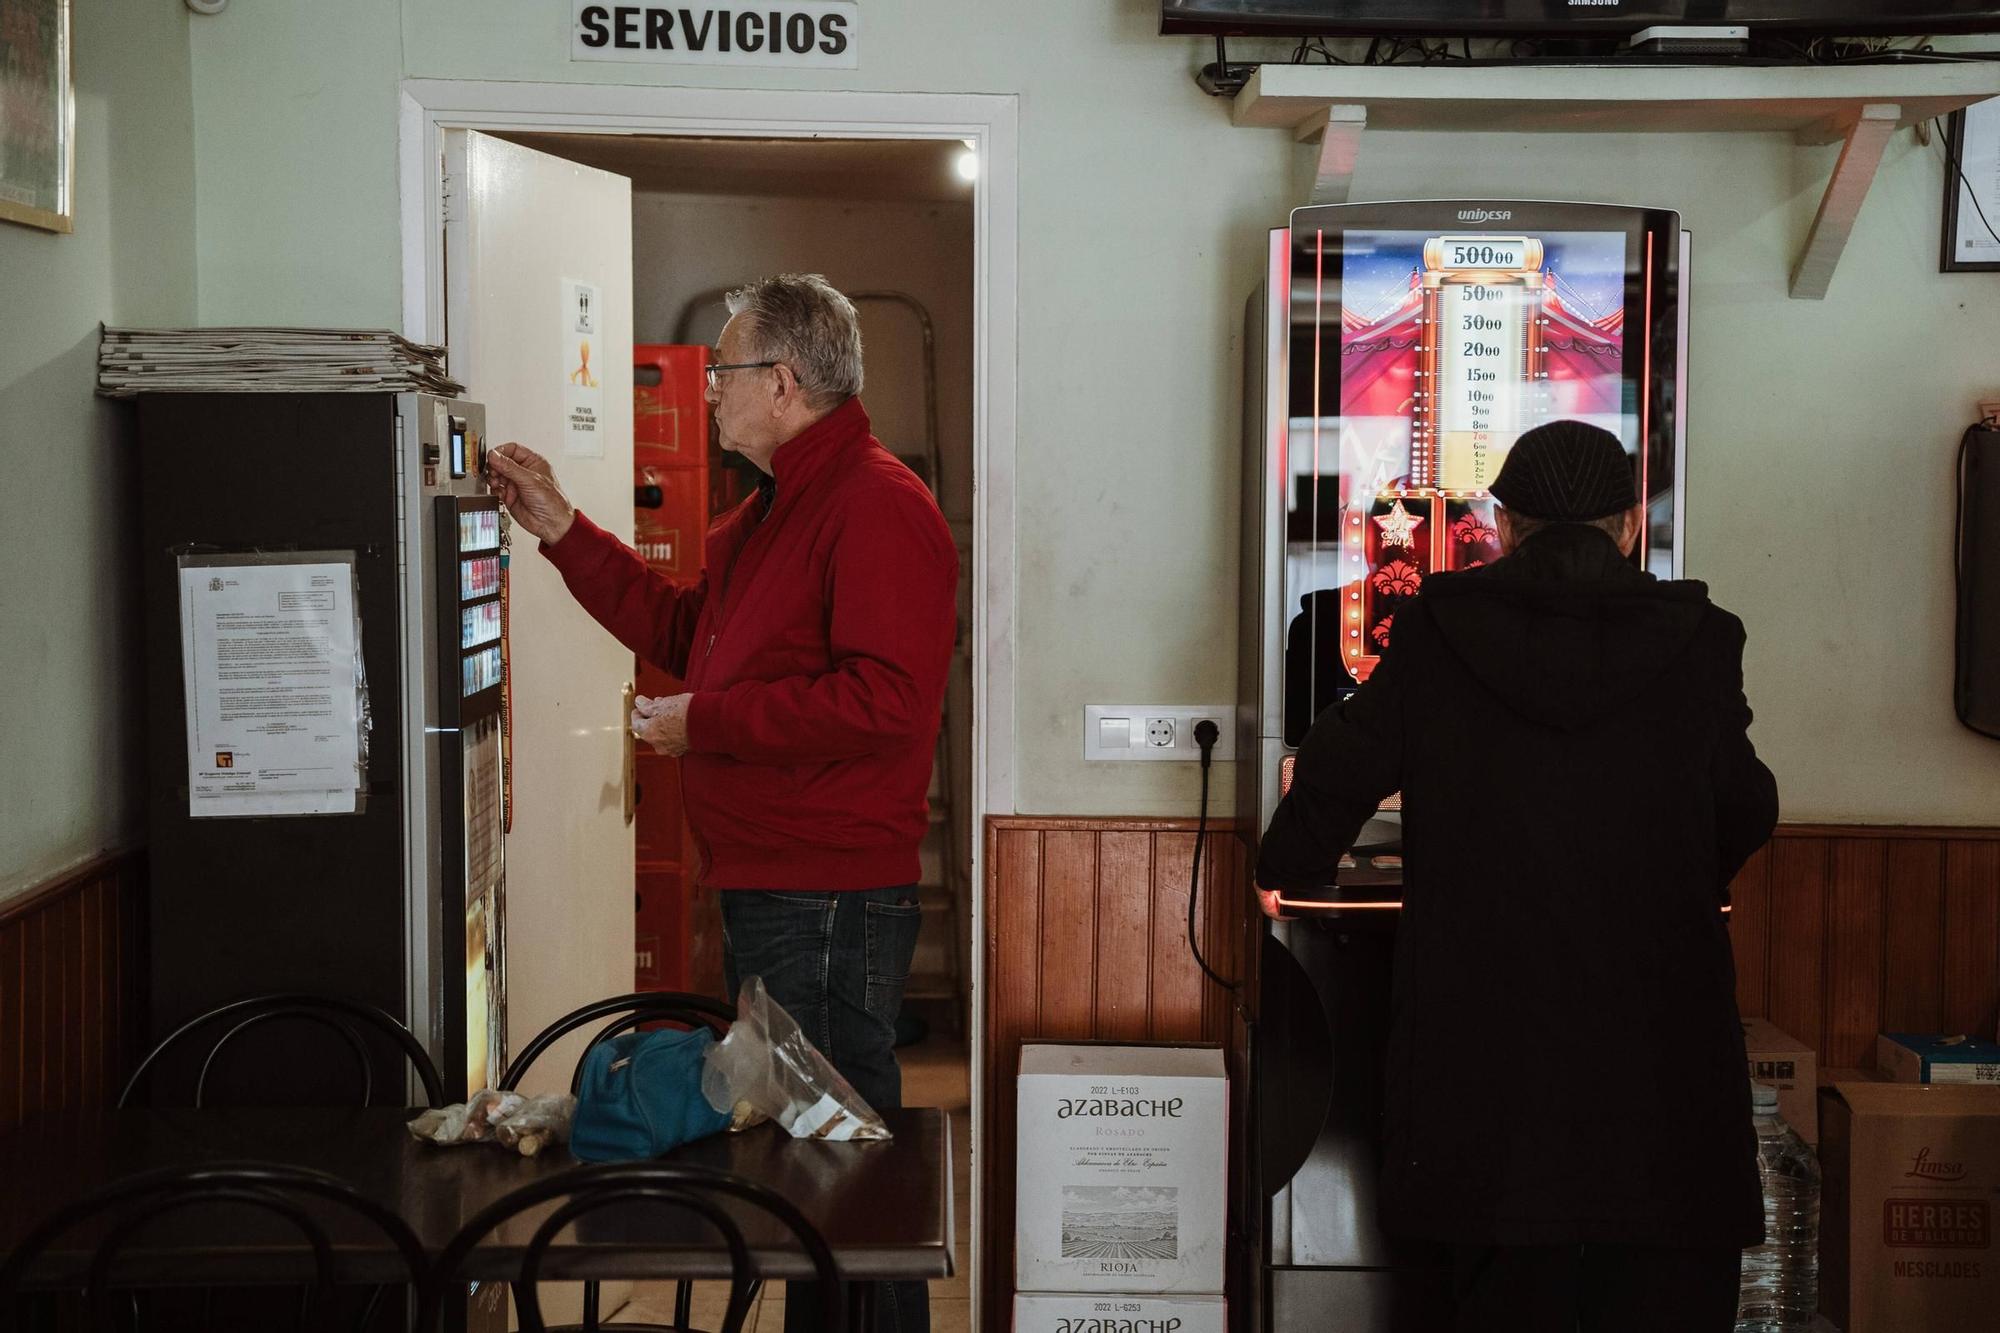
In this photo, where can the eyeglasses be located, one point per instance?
(714, 372)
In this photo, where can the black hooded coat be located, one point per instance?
(1570, 736)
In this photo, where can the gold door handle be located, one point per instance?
(631, 746)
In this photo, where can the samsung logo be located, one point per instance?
(1485, 215)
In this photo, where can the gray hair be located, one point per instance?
(801, 320)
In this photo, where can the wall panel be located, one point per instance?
(1839, 932)
(1086, 939)
(72, 987)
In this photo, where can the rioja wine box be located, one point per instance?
(1072, 1313)
(1123, 1176)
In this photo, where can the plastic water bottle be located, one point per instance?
(1780, 1288)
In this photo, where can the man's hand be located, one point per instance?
(1268, 900)
(526, 484)
(662, 723)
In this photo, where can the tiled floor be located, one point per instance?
(934, 1074)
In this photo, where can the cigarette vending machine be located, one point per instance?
(1395, 352)
(326, 617)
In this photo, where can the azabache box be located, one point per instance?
(1123, 1168)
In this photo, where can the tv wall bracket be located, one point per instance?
(1858, 107)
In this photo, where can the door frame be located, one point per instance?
(989, 122)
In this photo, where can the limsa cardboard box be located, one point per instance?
(1124, 1162)
(1100, 1313)
(1789, 1065)
(1912, 1180)
(1918, 1057)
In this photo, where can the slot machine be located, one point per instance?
(1395, 352)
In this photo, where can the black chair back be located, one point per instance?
(344, 1017)
(625, 1012)
(589, 1189)
(128, 1207)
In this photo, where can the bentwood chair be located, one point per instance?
(129, 1212)
(681, 1008)
(625, 1012)
(656, 1187)
(347, 1019)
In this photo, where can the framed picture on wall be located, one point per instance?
(1972, 189)
(37, 113)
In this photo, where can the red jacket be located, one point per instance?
(816, 644)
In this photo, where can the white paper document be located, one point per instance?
(1979, 187)
(270, 655)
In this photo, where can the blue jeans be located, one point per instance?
(836, 962)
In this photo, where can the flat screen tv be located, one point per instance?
(1581, 18)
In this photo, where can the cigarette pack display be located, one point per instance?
(1123, 1169)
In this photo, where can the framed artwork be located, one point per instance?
(1972, 190)
(37, 113)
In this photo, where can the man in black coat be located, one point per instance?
(1567, 1103)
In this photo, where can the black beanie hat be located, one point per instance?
(1566, 472)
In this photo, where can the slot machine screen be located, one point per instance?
(1424, 340)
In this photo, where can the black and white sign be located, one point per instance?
(1972, 189)
(815, 34)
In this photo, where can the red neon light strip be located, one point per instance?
(1317, 905)
(1646, 400)
(1319, 288)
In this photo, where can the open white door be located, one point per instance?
(539, 319)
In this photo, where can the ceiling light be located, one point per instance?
(967, 164)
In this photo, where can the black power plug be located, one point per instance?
(1206, 734)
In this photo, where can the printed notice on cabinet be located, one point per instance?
(276, 706)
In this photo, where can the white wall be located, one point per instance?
(1141, 222)
(70, 724)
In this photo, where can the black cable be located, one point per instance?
(1206, 734)
(1952, 163)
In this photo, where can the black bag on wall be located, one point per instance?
(1976, 549)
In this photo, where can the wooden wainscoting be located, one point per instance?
(1839, 931)
(1844, 931)
(72, 989)
(1086, 939)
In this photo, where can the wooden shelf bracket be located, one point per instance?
(1339, 145)
(1865, 139)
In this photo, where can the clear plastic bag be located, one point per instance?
(525, 1124)
(766, 1069)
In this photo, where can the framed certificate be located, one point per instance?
(37, 114)
(1972, 190)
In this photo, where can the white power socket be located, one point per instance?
(1155, 731)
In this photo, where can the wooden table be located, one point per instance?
(884, 1208)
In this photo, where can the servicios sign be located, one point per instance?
(814, 33)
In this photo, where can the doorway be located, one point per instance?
(713, 205)
(889, 222)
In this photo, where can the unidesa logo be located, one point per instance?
(818, 33)
(1485, 215)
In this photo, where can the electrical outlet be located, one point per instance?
(1156, 731)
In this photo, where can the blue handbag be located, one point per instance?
(641, 1095)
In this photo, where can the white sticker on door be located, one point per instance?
(583, 385)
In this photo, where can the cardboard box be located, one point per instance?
(1123, 1177)
(1922, 1057)
(1789, 1065)
(1912, 1183)
(1073, 1312)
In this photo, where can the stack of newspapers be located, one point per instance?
(267, 360)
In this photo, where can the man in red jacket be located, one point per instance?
(814, 647)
